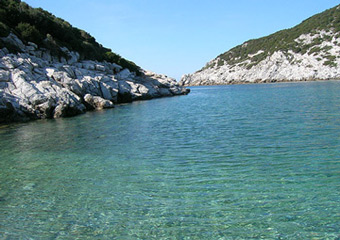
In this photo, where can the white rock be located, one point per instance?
(116, 67)
(89, 65)
(97, 102)
(100, 67)
(124, 74)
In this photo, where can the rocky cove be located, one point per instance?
(34, 84)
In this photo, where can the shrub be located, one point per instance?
(29, 33)
(4, 31)
(220, 62)
(330, 63)
(314, 50)
(112, 57)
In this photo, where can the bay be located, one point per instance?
(255, 161)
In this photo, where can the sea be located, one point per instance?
(257, 161)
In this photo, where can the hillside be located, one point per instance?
(308, 51)
(44, 29)
(49, 69)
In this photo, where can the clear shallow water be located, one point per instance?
(225, 162)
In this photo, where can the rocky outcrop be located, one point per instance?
(318, 62)
(35, 84)
(96, 102)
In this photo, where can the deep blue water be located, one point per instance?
(225, 162)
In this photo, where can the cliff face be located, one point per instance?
(309, 51)
(36, 84)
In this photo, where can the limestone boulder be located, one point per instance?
(96, 102)
(67, 110)
(14, 40)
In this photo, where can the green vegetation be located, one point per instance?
(326, 48)
(330, 63)
(314, 50)
(220, 62)
(29, 32)
(285, 40)
(41, 27)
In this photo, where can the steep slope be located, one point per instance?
(60, 76)
(308, 51)
(45, 30)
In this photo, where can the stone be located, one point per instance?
(91, 85)
(115, 67)
(109, 88)
(177, 90)
(124, 74)
(46, 56)
(153, 90)
(10, 108)
(100, 68)
(67, 110)
(96, 102)
(73, 58)
(69, 70)
(9, 63)
(14, 40)
(141, 92)
(89, 65)
(124, 92)
(106, 92)
(165, 92)
(5, 76)
(46, 109)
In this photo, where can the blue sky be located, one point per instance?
(175, 37)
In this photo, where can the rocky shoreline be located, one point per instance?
(280, 66)
(34, 84)
(260, 81)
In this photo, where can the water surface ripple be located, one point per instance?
(225, 162)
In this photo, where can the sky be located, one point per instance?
(176, 37)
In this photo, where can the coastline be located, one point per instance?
(264, 82)
(35, 84)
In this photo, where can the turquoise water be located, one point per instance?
(225, 162)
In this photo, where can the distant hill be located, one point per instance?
(44, 29)
(308, 51)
